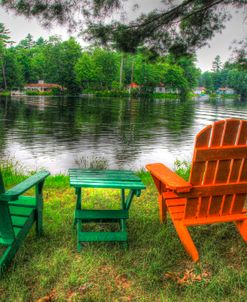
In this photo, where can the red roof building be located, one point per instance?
(41, 86)
(133, 85)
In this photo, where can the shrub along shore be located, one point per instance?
(154, 268)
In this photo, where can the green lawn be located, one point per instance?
(154, 268)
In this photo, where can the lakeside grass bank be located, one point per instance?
(154, 268)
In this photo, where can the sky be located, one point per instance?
(236, 29)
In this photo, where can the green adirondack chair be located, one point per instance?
(18, 214)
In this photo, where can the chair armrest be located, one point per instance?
(16, 191)
(170, 179)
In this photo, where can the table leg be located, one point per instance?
(126, 202)
(130, 198)
(124, 229)
(78, 201)
(78, 231)
(123, 199)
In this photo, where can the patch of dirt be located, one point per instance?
(187, 277)
(49, 297)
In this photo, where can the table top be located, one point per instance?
(115, 179)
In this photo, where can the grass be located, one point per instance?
(154, 268)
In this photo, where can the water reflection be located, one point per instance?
(52, 132)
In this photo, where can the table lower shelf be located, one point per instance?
(99, 216)
(102, 236)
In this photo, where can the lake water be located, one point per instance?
(52, 133)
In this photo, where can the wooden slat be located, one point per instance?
(16, 191)
(119, 179)
(20, 211)
(170, 179)
(221, 153)
(18, 221)
(108, 184)
(238, 200)
(221, 167)
(243, 176)
(6, 227)
(78, 170)
(104, 178)
(101, 214)
(227, 204)
(238, 205)
(215, 190)
(198, 168)
(214, 219)
(205, 201)
(24, 201)
(102, 236)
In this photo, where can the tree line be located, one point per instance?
(232, 74)
(67, 64)
(96, 68)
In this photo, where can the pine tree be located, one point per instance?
(4, 41)
(217, 64)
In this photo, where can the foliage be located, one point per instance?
(32, 92)
(232, 74)
(5, 93)
(65, 63)
(217, 64)
(177, 27)
(182, 168)
(238, 80)
(95, 162)
(4, 41)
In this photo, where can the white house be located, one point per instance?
(200, 90)
(41, 86)
(160, 88)
(225, 90)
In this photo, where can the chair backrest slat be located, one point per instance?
(219, 158)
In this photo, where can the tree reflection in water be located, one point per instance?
(52, 132)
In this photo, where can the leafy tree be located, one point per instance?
(107, 65)
(25, 54)
(190, 71)
(179, 27)
(206, 80)
(69, 54)
(14, 75)
(60, 60)
(174, 78)
(86, 71)
(63, 62)
(238, 80)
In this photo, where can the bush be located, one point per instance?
(57, 91)
(182, 168)
(5, 93)
(31, 92)
(95, 162)
(112, 93)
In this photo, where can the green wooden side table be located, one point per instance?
(108, 179)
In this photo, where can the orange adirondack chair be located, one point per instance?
(217, 189)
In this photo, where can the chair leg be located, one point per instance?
(242, 228)
(39, 208)
(162, 208)
(186, 240)
(39, 223)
